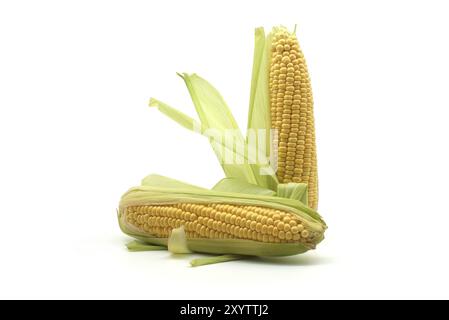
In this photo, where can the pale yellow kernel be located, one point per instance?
(238, 221)
(253, 225)
(210, 223)
(287, 219)
(280, 225)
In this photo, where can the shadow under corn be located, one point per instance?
(299, 260)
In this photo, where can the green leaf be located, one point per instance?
(209, 104)
(259, 49)
(181, 118)
(177, 241)
(136, 246)
(239, 186)
(219, 145)
(259, 122)
(259, 108)
(295, 191)
(217, 119)
(213, 260)
(215, 115)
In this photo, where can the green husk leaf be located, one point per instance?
(181, 118)
(259, 49)
(296, 191)
(156, 180)
(259, 121)
(246, 168)
(209, 104)
(239, 186)
(212, 260)
(137, 246)
(216, 117)
(259, 107)
(238, 170)
(177, 241)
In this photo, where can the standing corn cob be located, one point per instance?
(291, 108)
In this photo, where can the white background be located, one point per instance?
(76, 132)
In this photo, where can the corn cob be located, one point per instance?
(220, 222)
(291, 110)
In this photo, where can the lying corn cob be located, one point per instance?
(219, 222)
